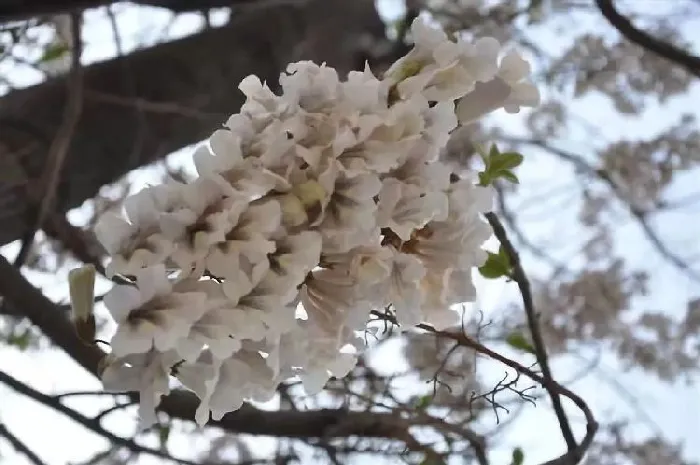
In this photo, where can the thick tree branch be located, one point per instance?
(323, 423)
(23, 9)
(89, 423)
(648, 42)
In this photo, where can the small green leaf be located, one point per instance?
(495, 267)
(423, 401)
(518, 456)
(54, 51)
(519, 341)
(484, 179)
(484, 156)
(508, 175)
(21, 340)
(163, 436)
(504, 161)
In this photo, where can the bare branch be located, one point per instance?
(672, 53)
(91, 424)
(19, 446)
(520, 278)
(327, 423)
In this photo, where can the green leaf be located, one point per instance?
(423, 401)
(504, 161)
(484, 179)
(21, 340)
(484, 156)
(519, 341)
(509, 176)
(518, 456)
(54, 51)
(495, 267)
(163, 436)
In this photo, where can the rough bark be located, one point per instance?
(186, 89)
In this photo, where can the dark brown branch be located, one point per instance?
(519, 276)
(322, 423)
(84, 421)
(665, 50)
(19, 446)
(571, 457)
(22, 9)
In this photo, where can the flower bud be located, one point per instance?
(81, 283)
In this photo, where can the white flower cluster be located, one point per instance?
(311, 209)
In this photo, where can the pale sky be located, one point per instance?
(674, 409)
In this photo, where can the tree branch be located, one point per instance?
(638, 214)
(665, 50)
(321, 423)
(19, 446)
(89, 423)
(519, 276)
(45, 192)
(571, 457)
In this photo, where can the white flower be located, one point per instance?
(349, 217)
(364, 92)
(270, 305)
(137, 242)
(402, 288)
(309, 85)
(426, 39)
(441, 290)
(311, 208)
(333, 301)
(295, 256)
(143, 252)
(509, 89)
(428, 176)
(149, 315)
(382, 144)
(403, 208)
(223, 385)
(485, 98)
(147, 373)
(242, 258)
(223, 326)
(261, 103)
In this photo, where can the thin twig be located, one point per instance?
(19, 446)
(640, 215)
(571, 457)
(84, 421)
